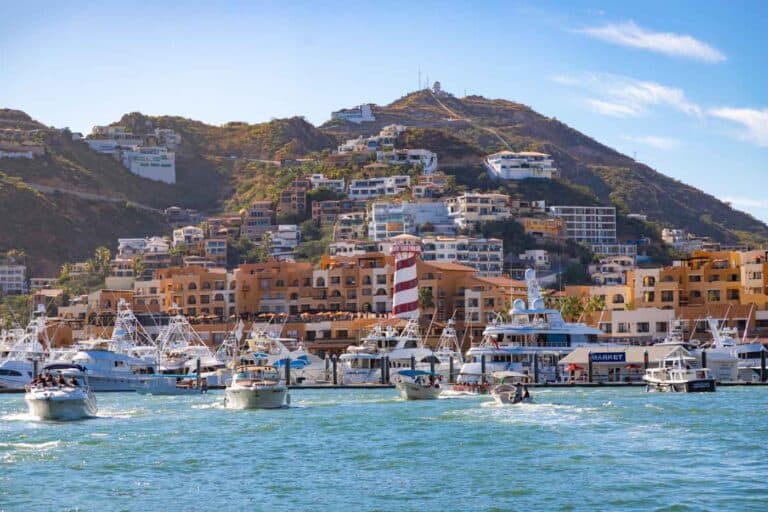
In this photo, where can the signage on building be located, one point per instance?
(608, 357)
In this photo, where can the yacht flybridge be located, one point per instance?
(531, 342)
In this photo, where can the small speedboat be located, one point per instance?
(419, 385)
(676, 375)
(72, 400)
(511, 388)
(256, 387)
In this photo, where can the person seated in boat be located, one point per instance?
(73, 382)
(60, 381)
(518, 393)
(37, 381)
(48, 381)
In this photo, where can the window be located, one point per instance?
(713, 295)
(667, 296)
(694, 279)
(643, 327)
(319, 282)
(618, 299)
(623, 327)
(205, 299)
(606, 327)
(732, 294)
(335, 279)
(713, 278)
(192, 286)
(649, 296)
(381, 279)
(191, 300)
(649, 281)
(206, 285)
(662, 326)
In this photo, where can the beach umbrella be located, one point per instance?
(573, 367)
(631, 366)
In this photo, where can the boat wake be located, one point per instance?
(30, 446)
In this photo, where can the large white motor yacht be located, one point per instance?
(19, 350)
(531, 342)
(676, 374)
(71, 400)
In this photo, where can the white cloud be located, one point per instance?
(754, 122)
(676, 45)
(622, 96)
(655, 141)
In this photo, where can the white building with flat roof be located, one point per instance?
(152, 162)
(388, 219)
(486, 255)
(423, 157)
(320, 181)
(284, 240)
(590, 224)
(371, 188)
(470, 209)
(511, 165)
(13, 278)
(359, 114)
(187, 235)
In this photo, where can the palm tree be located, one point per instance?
(426, 300)
(101, 257)
(571, 307)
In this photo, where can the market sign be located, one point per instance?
(608, 357)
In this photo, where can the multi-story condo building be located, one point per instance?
(283, 241)
(230, 225)
(385, 140)
(388, 219)
(350, 226)
(615, 249)
(612, 270)
(188, 235)
(153, 162)
(484, 255)
(320, 181)
(371, 188)
(470, 209)
(257, 220)
(430, 185)
(423, 157)
(360, 114)
(13, 278)
(293, 200)
(215, 250)
(509, 165)
(325, 213)
(196, 290)
(590, 224)
(544, 227)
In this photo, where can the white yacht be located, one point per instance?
(70, 400)
(419, 385)
(676, 374)
(449, 348)
(306, 368)
(20, 349)
(256, 387)
(362, 364)
(532, 341)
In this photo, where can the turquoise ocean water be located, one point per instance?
(575, 449)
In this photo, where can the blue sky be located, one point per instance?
(681, 85)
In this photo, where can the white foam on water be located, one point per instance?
(32, 446)
(20, 416)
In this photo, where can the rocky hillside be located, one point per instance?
(490, 125)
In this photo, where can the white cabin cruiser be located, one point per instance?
(20, 349)
(419, 385)
(256, 387)
(676, 374)
(71, 399)
(531, 342)
(306, 368)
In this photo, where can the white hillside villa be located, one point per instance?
(508, 165)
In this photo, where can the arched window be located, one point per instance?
(206, 285)
(381, 291)
(319, 282)
(618, 299)
(192, 286)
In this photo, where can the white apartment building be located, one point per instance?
(386, 219)
(360, 114)
(510, 165)
(484, 255)
(187, 235)
(155, 163)
(320, 181)
(385, 140)
(423, 157)
(590, 224)
(104, 146)
(371, 188)
(167, 137)
(642, 323)
(612, 270)
(284, 240)
(468, 210)
(615, 249)
(13, 278)
(359, 248)
(539, 258)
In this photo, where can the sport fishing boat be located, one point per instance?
(362, 364)
(419, 385)
(256, 387)
(510, 389)
(448, 351)
(20, 349)
(71, 400)
(676, 374)
(306, 368)
(531, 342)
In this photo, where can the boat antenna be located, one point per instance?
(746, 326)
(722, 324)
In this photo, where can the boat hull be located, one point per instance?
(412, 391)
(691, 386)
(60, 408)
(505, 395)
(266, 397)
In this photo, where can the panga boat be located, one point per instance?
(419, 385)
(676, 374)
(256, 387)
(71, 401)
(510, 389)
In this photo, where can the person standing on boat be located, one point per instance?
(518, 393)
